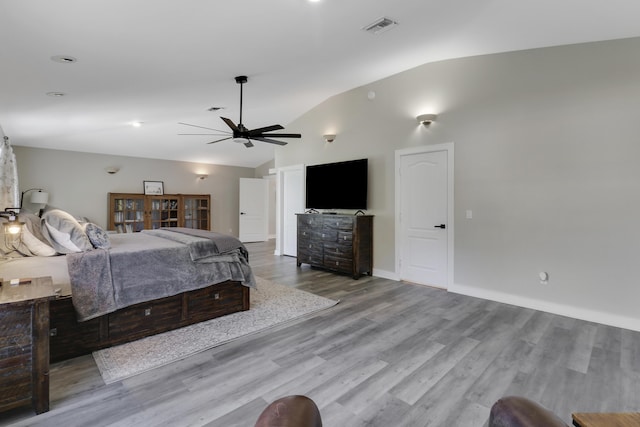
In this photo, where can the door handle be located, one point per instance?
(440, 226)
(242, 213)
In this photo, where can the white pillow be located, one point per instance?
(64, 232)
(36, 246)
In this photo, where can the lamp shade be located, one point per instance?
(39, 197)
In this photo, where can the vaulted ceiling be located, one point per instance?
(161, 62)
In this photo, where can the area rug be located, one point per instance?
(271, 305)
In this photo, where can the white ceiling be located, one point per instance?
(161, 62)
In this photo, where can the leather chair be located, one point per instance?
(290, 411)
(516, 411)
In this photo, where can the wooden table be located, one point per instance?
(24, 343)
(604, 419)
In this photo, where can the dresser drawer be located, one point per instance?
(213, 301)
(329, 235)
(15, 356)
(339, 223)
(309, 234)
(345, 237)
(138, 320)
(68, 337)
(337, 250)
(338, 263)
(310, 255)
(309, 221)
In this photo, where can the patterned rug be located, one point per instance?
(271, 304)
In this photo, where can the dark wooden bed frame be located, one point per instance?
(70, 338)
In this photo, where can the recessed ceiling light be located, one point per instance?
(136, 124)
(64, 59)
(56, 94)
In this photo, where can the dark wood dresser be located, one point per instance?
(341, 243)
(24, 343)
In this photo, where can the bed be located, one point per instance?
(116, 288)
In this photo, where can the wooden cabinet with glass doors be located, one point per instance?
(129, 212)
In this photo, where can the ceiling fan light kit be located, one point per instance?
(241, 134)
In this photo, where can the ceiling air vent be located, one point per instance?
(380, 25)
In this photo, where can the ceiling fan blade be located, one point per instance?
(202, 127)
(231, 124)
(265, 129)
(281, 135)
(270, 141)
(209, 134)
(218, 140)
(248, 144)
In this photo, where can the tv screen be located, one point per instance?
(341, 185)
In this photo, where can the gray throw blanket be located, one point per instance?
(209, 244)
(156, 264)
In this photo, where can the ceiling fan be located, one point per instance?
(240, 133)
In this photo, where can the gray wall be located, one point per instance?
(546, 156)
(78, 182)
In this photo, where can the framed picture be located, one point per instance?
(155, 188)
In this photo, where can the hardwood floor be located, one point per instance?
(390, 354)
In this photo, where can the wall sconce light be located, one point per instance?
(329, 137)
(38, 198)
(426, 119)
(112, 170)
(203, 176)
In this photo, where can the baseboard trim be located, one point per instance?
(550, 307)
(384, 274)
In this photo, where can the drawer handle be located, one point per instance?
(147, 312)
(337, 262)
(53, 332)
(216, 296)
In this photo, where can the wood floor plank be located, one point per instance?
(433, 370)
(389, 354)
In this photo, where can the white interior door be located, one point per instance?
(425, 220)
(254, 205)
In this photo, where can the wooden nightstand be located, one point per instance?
(613, 419)
(24, 343)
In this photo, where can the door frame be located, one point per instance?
(280, 202)
(448, 147)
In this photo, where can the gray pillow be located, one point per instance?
(97, 236)
(64, 232)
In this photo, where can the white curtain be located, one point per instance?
(9, 193)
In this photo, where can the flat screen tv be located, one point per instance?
(341, 185)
